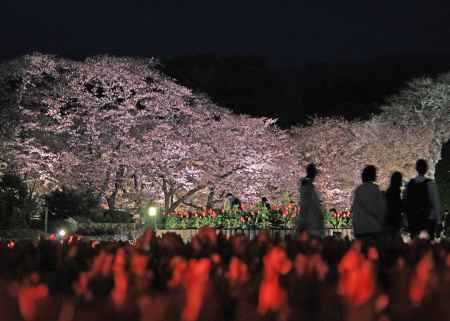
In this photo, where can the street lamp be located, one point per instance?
(153, 212)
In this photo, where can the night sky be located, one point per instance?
(284, 31)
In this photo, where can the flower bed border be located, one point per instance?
(187, 234)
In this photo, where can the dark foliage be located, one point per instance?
(443, 176)
(16, 205)
(70, 201)
(115, 216)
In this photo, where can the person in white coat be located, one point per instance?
(368, 206)
(311, 217)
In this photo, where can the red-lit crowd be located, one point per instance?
(219, 279)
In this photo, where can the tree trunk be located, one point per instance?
(112, 201)
(193, 205)
(137, 182)
(167, 191)
(180, 200)
(117, 185)
(103, 188)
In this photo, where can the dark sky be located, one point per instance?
(299, 30)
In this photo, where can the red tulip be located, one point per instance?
(28, 299)
(420, 281)
(271, 296)
(358, 285)
(372, 254)
(196, 285)
(139, 265)
(238, 271)
(119, 292)
(276, 262)
(357, 278)
(178, 266)
(301, 264)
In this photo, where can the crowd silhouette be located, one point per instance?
(378, 214)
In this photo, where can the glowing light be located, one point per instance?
(152, 211)
(62, 233)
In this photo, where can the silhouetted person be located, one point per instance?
(422, 203)
(311, 216)
(394, 201)
(265, 203)
(368, 206)
(236, 203)
(231, 202)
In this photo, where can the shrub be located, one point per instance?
(70, 201)
(115, 216)
(443, 176)
(98, 229)
(69, 224)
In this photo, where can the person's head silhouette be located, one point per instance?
(396, 180)
(311, 171)
(421, 167)
(369, 174)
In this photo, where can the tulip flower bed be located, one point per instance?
(213, 278)
(339, 220)
(255, 217)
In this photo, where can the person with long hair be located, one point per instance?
(311, 216)
(394, 219)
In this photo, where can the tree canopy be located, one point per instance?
(118, 125)
(414, 124)
(122, 128)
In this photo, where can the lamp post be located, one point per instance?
(153, 212)
(46, 221)
(62, 233)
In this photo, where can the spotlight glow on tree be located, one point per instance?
(124, 129)
(121, 127)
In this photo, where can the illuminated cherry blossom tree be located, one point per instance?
(414, 124)
(108, 121)
(120, 126)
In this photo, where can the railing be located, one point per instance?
(188, 234)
